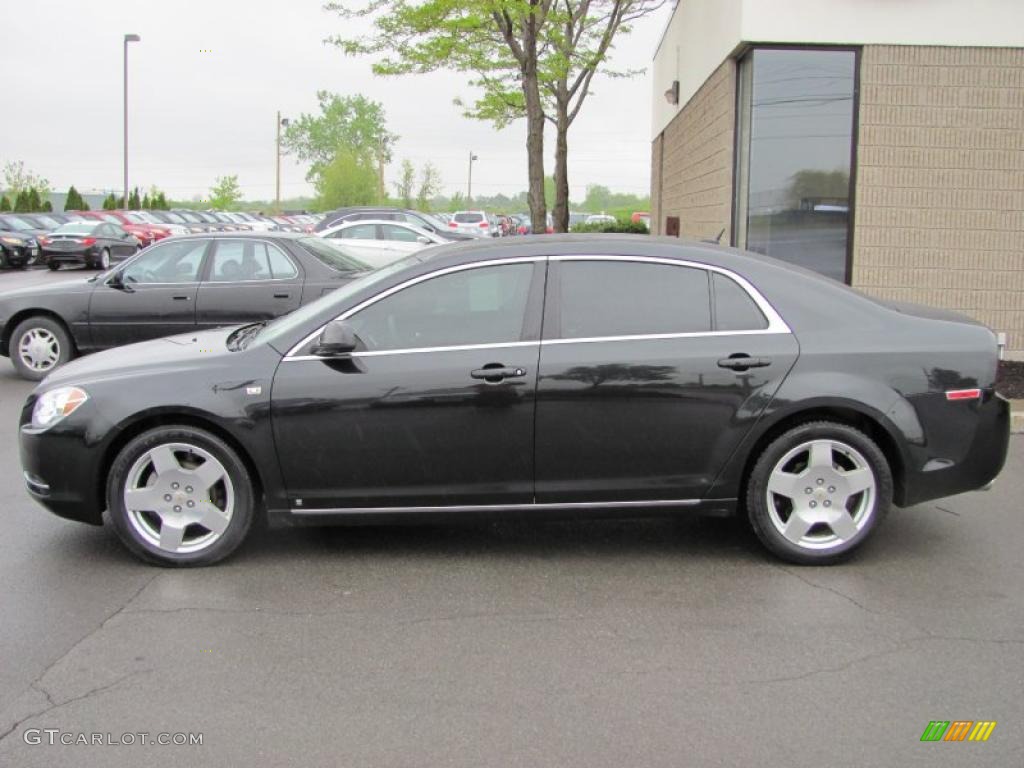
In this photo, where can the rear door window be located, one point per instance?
(735, 310)
(598, 299)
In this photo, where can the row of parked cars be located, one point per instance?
(99, 238)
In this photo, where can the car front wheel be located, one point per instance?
(39, 345)
(180, 496)
(817, 492)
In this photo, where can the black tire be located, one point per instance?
(65, 347)
(53, 265)
(103, 261)
(761, 519)
(243, 508)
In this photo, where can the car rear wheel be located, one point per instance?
(817, 492)
(38, 346)
(104, 260)
(180, 496)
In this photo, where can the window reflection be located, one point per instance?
(796, 135)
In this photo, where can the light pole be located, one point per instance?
(127, 39)
(281, 123)
(469, 191)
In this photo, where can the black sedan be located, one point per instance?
(572, 375)
(94, 244)
(179, 284)
(19, 245)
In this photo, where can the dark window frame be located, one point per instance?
(738, 59)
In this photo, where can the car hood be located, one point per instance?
(24, 234)
(172, 355)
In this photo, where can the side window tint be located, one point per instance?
(485, 305)
(238, 260)
(359, 232)
(401, 234)
(734, 309)
(621, 298)
(173, 262)
(280, 265)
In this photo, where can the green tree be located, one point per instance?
(809, 186)
(404, 187)
(47, 206)
(74, 200)
(160, 202)
(532, 59)
(17, 180)
(430, 185)
(146, 203)
(352, 123)
(35, 202)
(134, 201)
(5, 204)
(21, 202)
(225, 193)
(350, 179)
(110, 202)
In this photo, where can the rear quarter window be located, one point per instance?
(735, 310)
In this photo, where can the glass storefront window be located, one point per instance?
(795, 139)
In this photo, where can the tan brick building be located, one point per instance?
(879, 143)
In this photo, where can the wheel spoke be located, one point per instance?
(858, 480)
(797, 526)
(208, 474)
(143, 499)
(842, 524)
(212, 518)
(821, 455)
(171, 533)
(784, 484)
(164, 460)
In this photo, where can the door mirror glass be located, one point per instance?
(423, 240)
(338, 338)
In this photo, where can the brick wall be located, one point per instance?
(939, 215)
(693, 159)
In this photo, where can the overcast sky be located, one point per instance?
(207, 78)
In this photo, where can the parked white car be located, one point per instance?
(379, 243)
(600, 218)
(474, 223)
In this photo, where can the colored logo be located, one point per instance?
(958, 730)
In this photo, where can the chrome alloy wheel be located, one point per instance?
(821, 494)
(39, 349)
(179, 498)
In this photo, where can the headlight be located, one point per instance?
(13, 240)
(55, 405)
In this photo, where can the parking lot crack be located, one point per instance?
(834, 591)
(899, 648)
(36, 685)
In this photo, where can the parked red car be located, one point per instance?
(145, 233)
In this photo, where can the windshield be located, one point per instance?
(78, 228)
(135, 218)
(334, 257)
(433, 221)
(13, 222)
(287, 324)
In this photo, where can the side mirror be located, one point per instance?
(337, 338)
(423, 240)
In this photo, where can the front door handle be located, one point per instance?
(494, 373)
(741, 362)
(281, 295)
(180, 298)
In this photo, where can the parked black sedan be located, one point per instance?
(600, 374)
(94, 244)
(179, 284)
(19, 245)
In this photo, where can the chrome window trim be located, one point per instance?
(776, 325)
(293, 352)
(653, 504)
(775, 322)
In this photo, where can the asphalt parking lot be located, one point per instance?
(654, 643)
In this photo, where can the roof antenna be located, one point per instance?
(716, 240)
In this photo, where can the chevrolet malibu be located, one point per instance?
(602, 375)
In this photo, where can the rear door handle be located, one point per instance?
(496, 372)
(281, 295)
(742, 362)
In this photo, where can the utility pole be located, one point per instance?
(277, 193)
(380, 172)
(127, 39)
(469, 190)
